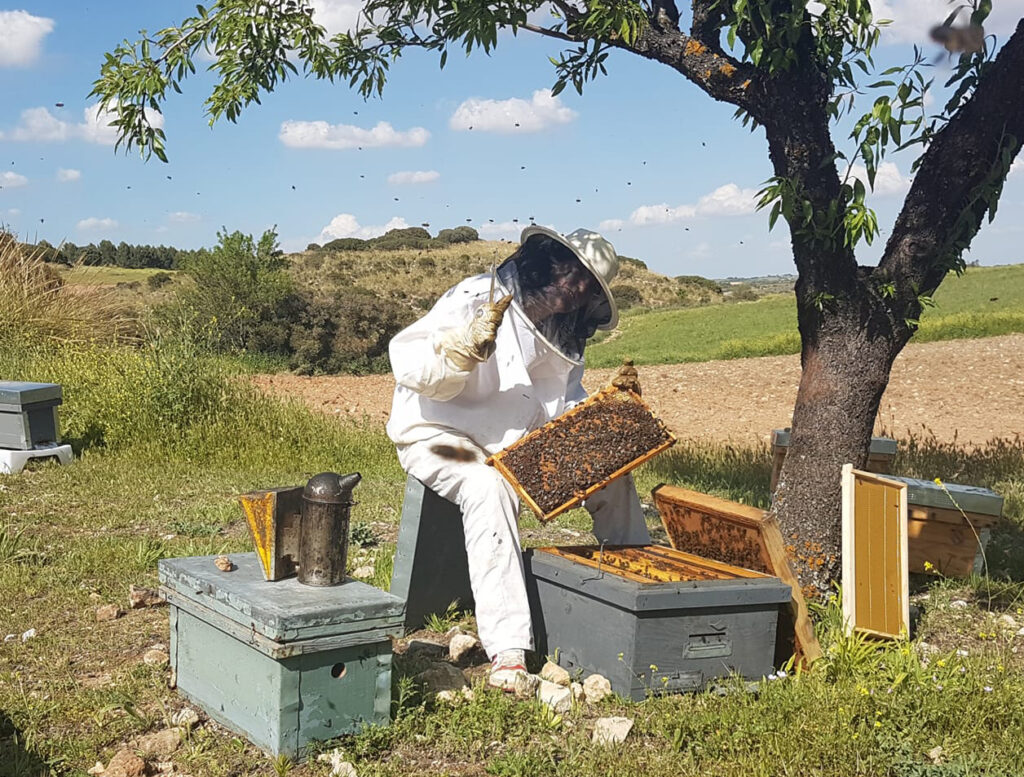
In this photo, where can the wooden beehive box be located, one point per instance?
(652, 619)
(280, 663)
(554, 468)
(28, 414)
(744, 536)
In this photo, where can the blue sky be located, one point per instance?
(643, 156)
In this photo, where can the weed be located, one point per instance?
(362, 534)
(441, 623)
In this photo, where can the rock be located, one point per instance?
(557, 697)
(577, 692)
(139, 597)
(1007, 621)
(461, 644)
(27, 635)
(611, 731)
(125, 764)
(448, 697)
(108, 612)
(1021, 632)
(155, 657)
(441, 677)
(935, 754)
(595, 688)
(958, 604)
(10, 638)
(453, 631)
(553, 673)
(526, 685)
(962, 653)
(339, 766)
(186, 718)
(425, 648)
(161, 743)
(99, 768)
(467, 694)
(223, 563)
(363, 572)
(161, 767)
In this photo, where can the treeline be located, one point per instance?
(395, 239)
(123, 254)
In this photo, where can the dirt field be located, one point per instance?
(973, 389)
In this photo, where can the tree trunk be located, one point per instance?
(846, 358)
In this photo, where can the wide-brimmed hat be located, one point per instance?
(596, 254)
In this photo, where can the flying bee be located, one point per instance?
(959, 40)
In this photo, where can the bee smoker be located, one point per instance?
(323, 533)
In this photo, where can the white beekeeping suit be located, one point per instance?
(472, 381)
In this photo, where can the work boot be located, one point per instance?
(505, 666)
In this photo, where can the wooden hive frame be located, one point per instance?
(743, 536)
(650, 563)
(497, 460)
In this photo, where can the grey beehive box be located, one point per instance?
(652, 637)
(279, 662)
(28, 414)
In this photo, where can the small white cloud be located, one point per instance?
(513, 115)
(888, 179)
(508, 230)
(183, 217)
(11, 180)
(336, 16)
(320, 134)
(611, 225)
(414, 176)
(661, 213)
(21, 37)
(66, 174)
(346, 225)
(1017, 167)
(728, 200)
(14, 211)
(700, 251)
(38, 125)
(95, 223)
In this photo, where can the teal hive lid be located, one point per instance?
(951, 496)
(14, 392)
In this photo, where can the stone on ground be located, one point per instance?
(339, 766)
(461, 645)
(577, 691)
(611, 731)
(557, 697)
(553, 673)
(155, 657)
(160, 743)
(595, 688)
(186, 718)
(441, 677)
(125, 764)
(363, 572)
(108, 612)
(425, 648)
(139, 597)
(526, 685)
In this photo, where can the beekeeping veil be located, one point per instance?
(533, 274)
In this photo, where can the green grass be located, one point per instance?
(983, 302)
(83, 275)
(175, 437)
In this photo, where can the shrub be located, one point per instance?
(457, 235)
(158, 280)
(626, 296)
(700, 282)
(633, 262)
(313, 247)
(394, 239)
(347, 244)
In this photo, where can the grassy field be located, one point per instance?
(983, 302)
(167, 439)
(83, 275)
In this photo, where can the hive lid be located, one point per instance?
(282, 610)
(971, 499)
(600, 574)
(13, 392)
(885, 446)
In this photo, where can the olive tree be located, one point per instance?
(795, 71)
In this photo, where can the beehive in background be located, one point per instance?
(556, 467)
(876, 596)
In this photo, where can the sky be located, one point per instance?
(644, 157)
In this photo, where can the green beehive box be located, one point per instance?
(283, 664)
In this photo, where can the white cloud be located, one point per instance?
(1017, 167)
(508, 230)
(346, 225)
(40, 126)
(183, 217)
(65, 174)
(728, 200)
(888, 179)
(95, 223)
(21, 37)
(320, 134)
(513, 115)
(11, 180)
(611, 225)
(14, 211)
(414, 176)
(913, 19)
(700, 251)
(661, 213)
(336, 15)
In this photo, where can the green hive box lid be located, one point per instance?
(282, 610)
(970, 499)
(13, 392)
(879, 445)
(651, 597)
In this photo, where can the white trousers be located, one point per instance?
(453, 467)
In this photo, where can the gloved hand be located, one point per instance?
(627, 378)
(467, 347)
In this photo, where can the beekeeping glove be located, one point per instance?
(627, 378)
(474, 343)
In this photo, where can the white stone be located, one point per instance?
(958, 604)
(595, 688)
(448, 697)
(526, 685)
(155, 657)
(1021, 632)
(611, 731)
(461, 644)
(363, 572)
(1007, 621)
(557, 697)
(99, 768)
(26, 636)
(577, 692)
(962, 653)
(453, 631)
(467, 694)
(186, 718)
(553, 673)
(10, 638)
(159, 743)
(339, 766)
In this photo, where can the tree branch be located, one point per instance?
(706, 26)
(548, 32)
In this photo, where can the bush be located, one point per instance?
(633, 262)
(158, 280)
(699, 282)
(313, 247)
(626, 296)
(347, 244)
(457, 235)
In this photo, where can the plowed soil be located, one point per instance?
(970, 390)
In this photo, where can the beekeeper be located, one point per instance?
(497, 356)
